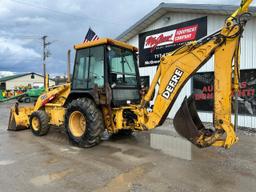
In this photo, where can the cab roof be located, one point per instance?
(107, 41)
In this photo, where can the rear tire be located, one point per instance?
(39, 123)
(84, 134)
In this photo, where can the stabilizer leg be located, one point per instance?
(231, 137)
(188, 124)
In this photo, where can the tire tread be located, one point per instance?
(95, 124)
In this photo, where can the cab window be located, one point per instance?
(89, 68)
(122, 67)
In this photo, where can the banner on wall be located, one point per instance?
(203, 90)
(156, 43)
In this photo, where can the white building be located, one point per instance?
(168, 14)
(23, 80)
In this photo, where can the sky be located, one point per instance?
(65, 22)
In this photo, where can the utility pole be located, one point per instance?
(45, 55)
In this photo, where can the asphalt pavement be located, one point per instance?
(51, 163)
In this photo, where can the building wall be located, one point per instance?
(25, 81)
(248, 56)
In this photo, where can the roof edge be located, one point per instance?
(189, 7)
(11, 77)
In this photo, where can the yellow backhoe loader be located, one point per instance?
(104, 93)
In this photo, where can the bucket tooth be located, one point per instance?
(188, 124)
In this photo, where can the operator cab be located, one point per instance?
(107, 62)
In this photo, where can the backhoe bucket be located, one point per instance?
(19, 118)
(188, 124)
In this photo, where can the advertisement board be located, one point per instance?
(156, 43)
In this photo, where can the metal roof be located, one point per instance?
(164, 8)
(7, 78)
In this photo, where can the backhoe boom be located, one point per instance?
(178, 67)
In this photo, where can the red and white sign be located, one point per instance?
(186, 34)
(159, 39)
(156, 43)
(170, 37)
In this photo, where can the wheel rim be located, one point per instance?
(35, 123)
(77, 124)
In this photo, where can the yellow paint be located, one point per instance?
(35, 123)
(22, 118)
(188, 62)
(77, 124)
(103, 41)
(46, 82)
(58, 95)
(189, 59)
(56, 114)
(54, 107)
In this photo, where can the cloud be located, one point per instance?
(4, 8)
(12, 52)
(31, 20)
(65, 22)
(6, 73)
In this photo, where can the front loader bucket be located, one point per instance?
(188, 124)
(12, 123)
(19, 118)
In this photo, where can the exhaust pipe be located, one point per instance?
(68, 68)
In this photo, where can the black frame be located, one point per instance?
(106, 67)
(89, 91)
(136, 69)
(104, 49)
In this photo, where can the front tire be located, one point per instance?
(84, 123)
(39, 123)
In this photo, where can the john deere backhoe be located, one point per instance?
(105, 90)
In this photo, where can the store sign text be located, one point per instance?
(170, 37)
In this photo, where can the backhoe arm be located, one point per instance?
(178, 67)
(173, 72)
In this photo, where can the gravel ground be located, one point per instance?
(51, 163)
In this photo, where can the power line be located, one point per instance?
(42, 7)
